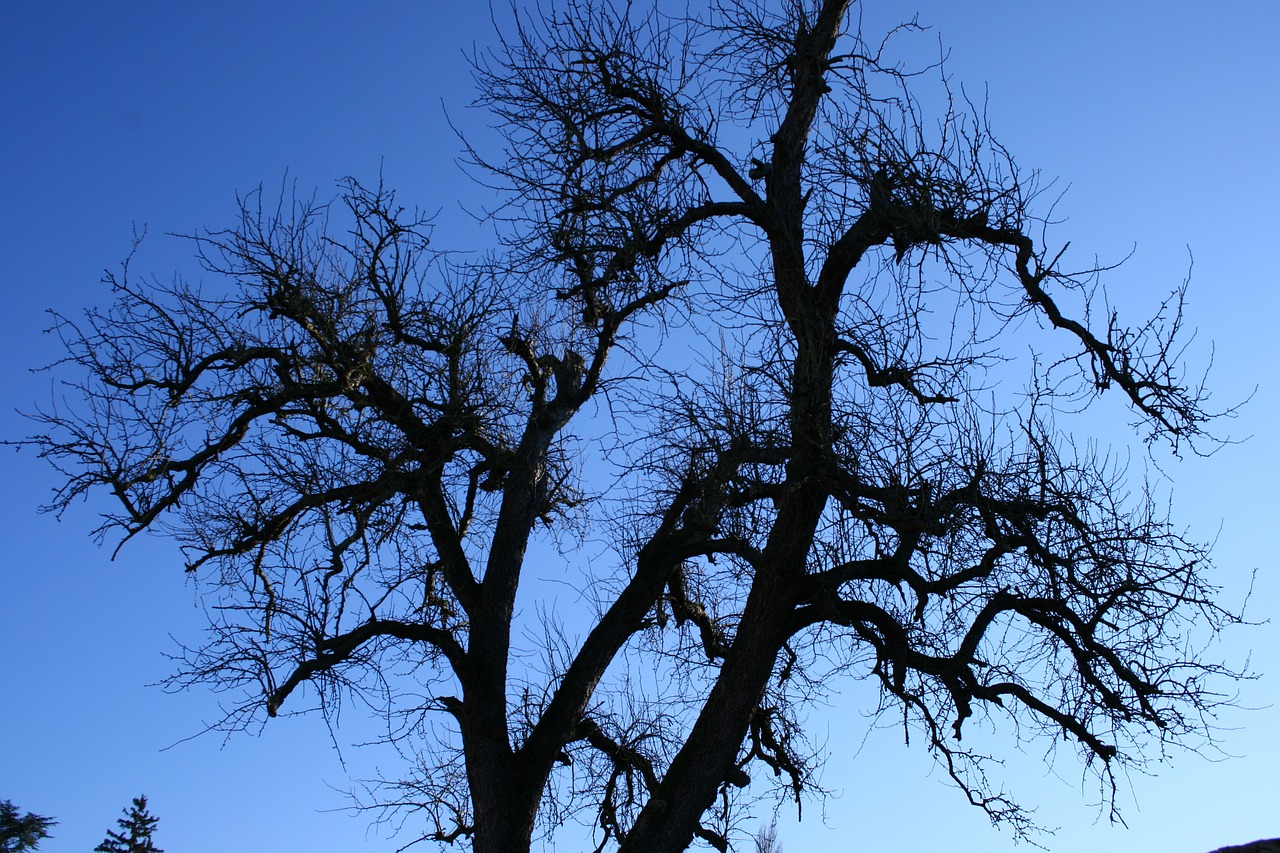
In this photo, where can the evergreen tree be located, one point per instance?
(135, 832)
(21, 833)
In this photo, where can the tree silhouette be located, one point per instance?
(21, 833)
(135, 832)
(766, 840)
(748, 373)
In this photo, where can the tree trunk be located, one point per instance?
(669, 820)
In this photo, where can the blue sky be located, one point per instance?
(1160, 118)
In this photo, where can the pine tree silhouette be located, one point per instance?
(19, 833)
(135, 832)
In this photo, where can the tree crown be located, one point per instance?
(751, 359)
(135, 830)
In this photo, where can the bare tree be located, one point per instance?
(767, 839)
(749, 370)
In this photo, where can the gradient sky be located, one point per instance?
(1160, 118)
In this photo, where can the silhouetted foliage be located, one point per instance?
(136, 828)
(19, 833)
(749, 374)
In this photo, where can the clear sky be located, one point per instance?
(1161, 118)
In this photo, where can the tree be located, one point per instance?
(369, 451)
(135, 832)
(21, 833)
(767, 839)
